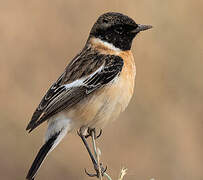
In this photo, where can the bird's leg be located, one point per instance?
(87, 147)
(97, 166)
(101, 170)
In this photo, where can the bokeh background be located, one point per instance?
(158, 136)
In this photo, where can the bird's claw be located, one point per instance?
(100, 132)
(97, 174)
(79, 133)
(90, 133)
(89, 174)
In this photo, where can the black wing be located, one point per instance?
(60, 97)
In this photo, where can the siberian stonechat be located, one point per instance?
(95, 87)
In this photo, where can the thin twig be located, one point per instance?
(98, 161)
(94, 145)
(107, 176)
(122, 173)
(97, 154)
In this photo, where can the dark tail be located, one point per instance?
(43, 152)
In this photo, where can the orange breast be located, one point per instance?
(129, 71)
(107, 103)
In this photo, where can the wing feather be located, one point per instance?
(65, 93)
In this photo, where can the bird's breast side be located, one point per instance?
(126, 80)
(108, 102)
(116, 96)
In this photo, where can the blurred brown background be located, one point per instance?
(160, 133)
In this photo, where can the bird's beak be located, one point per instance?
(141, 27)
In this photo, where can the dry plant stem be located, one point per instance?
(97, 153)
(107, 176)
(94, 143)
(122, 173)
(96, 157)
(98, 161)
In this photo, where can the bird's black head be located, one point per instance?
(117, 29)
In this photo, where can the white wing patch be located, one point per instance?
(76, 83)
(80, 82)
(98, 70)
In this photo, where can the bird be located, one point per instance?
(95, 87)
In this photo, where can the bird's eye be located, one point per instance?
(119, 30)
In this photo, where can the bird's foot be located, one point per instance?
(91, 131)
(100, 170)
